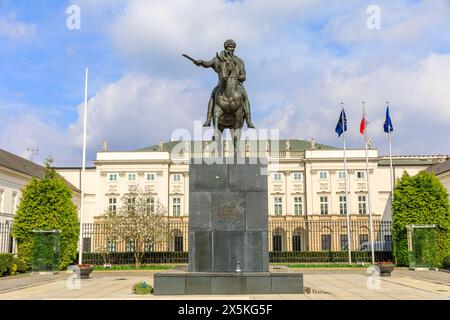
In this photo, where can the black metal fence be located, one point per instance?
(7, 244)
(288, 241)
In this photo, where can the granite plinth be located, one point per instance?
(228, 216)
(215, 283)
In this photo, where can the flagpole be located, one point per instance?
(390, 162)
(346, 194)
(83, 170)
(368, 185)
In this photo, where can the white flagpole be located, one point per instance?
(80, 254)
(368, 186)
(390, 161)
(346, 194)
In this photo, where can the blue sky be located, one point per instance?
(302, 59)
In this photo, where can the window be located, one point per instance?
(341, 175)
(178, 243)
(388, 242)
(298, 206)
(362, 204)
(150, 177)
(296, 243)
(148, 246)
(87, 245)
(111, 246)
(129, 246)
(176, 206)
(132, 177)
(297, 176)
(276, 242)
(360, 174)
(323, 175)
(324, 205)
(363, 238)
(1, 199)
(150, 205)
(177, 177)
(13, 202)
(326, 242)
(278, 206)
(277, 176)
(112, 205)
(112, 177)
(344, 242)
(342, 204)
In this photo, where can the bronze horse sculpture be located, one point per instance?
(228, 104)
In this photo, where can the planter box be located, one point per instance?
(83, 272)
(386, 269)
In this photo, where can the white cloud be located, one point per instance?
(152, 28)
(140, 110)
(402, 23)
(13, 29)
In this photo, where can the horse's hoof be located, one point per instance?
(207, 124)
(250, 125)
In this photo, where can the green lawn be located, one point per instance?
(132, 267)
(326, 265)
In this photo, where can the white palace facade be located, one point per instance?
(306, 179)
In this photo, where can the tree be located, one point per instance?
(420, 199)
(138, 223)
(47, 205)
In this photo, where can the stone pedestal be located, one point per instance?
(228, 217)
(228, 230)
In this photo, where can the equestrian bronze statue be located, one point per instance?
(228, 105)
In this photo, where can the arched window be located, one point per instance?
(277, 239)
(297, 237)
(178, 241)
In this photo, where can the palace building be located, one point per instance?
(306, 191)
(306, 188)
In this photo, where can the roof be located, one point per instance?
(440, 167)
(295, 144)
(411, 160)
(19, 164)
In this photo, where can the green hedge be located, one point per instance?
(328, 256)
(118, 258)
(446, 263)
(421, 199)
(6, 263)
(128, 258)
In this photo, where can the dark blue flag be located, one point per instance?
(341, 126)
(388, 123)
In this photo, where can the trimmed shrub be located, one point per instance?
(420, 199)
(446, 263)
(6, 263)
(142, 288)
(46, 205)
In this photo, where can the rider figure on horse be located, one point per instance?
(239, 71)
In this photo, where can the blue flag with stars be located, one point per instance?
(341, 126)
(388, 123)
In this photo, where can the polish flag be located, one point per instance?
(363, 125)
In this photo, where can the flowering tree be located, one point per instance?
(138, 222)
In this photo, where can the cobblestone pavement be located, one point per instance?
(336, 284)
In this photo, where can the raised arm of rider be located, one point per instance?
(205, 64)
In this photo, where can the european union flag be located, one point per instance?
(388, 123)
(341, 126)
